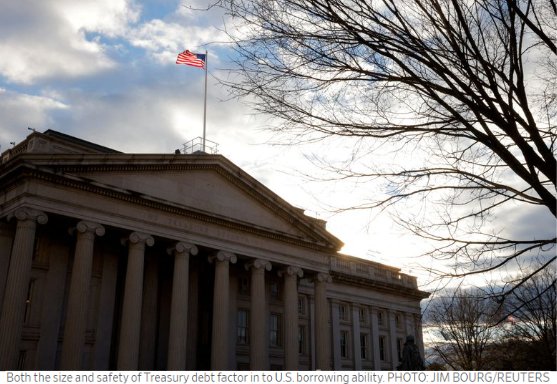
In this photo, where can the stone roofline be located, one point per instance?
(69, 153)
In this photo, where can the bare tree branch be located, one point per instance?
(469, 85)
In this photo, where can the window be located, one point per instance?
(275, 294)
(362, 315)
(243, 330)
(399, 349)
(243, 286)
(301, 306)
(274, 327)
(36, 249)
(301, 339)
(343, 346)
(363, 346)
(382, 348)
(342, 315)
(28, 301)
(380, 318)
(397, 321)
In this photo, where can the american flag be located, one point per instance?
(190, 58)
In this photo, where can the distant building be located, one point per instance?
(111, 260)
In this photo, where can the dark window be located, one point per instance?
(243, 285)
(362, 313)
(243, 327)
(380, 317)
(399, 349)
(301, 339)
(343, 345)
(398, 323)
(342, 313)
(363, 346)
(36, 249)
(301, 306)
(275, 294)
(28, 302)
(382, 348)
(274, 328)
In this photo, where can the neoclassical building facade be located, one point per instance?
(180, 261)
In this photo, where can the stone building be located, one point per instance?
(159, 261)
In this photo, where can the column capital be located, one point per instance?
(259, 264)
(181, 247)
(322, 278)
(88, 226)
(222, 256)
(291, 271)
(139, 238)
(25, 213)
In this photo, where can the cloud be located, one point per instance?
(48, 39)
(19, 111)
(529, 222)
(164, 38)
(108, 17)
(154, 114)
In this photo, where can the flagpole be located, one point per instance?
(205, 105)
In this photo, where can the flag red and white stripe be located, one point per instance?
(190, 58)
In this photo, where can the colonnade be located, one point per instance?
(18, 276)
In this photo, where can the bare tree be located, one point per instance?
(533, 333)
(472, 85)
(465, 321)
(477, 333)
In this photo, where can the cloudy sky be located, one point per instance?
(104, 71)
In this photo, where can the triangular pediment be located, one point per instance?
(207, 184)
(200, 190)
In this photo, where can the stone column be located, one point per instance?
(375, 340)
(322, 331)
(335, 325)
(356, 338)
(78, 300)
(6, 240)
(219, 342)
(128, 353)
(419, 334)
(291, 275)
(392, 338)
(149, 315)
(258, 319)
(311, 302)
(177, 340)
(193, 317)
(17, 284)
(52, 314)
(105, 318)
